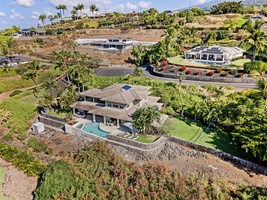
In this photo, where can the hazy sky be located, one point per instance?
(25, 13)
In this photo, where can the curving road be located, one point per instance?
(123, 70)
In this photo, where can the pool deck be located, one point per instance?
(114, 130)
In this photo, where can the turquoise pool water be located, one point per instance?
(93, 128)
(208, 63)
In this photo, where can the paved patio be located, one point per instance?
(114, 130)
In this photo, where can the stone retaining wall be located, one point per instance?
(134, 153)
(159, 142)
(224, 156)
(51, 122)
(204, 78)
(60, 119)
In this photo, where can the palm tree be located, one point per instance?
(138, 52)
(81, 73)
(33, 70)
(93, 9)
(61, 8)
(256, 39)
(50, 85)
(143, 118)
(68, 97)
(80, 7)
(63, 61)
(169, 35)
(208, 38)
(42, 17)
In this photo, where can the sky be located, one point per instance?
(25, 13)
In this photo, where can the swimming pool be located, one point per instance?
(93, 128)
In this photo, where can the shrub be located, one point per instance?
(219, 70)
(197, 72)
(210, 73)
(189, 71)
(233, 72)
(22, 136)
(183, 68)
(37, 146)
(8, 137)
(239, 75)
(15, 92)
(39, 40)
(163, 67)
(224, 74)
(164, 62)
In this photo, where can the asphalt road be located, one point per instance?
(120, 71)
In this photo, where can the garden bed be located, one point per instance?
(202, 74)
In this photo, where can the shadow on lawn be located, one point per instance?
(223, 141)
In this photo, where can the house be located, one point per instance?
(114, 43)
(115, 103)
(213, 54)
(29, 32)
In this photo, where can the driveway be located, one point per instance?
(123, 70)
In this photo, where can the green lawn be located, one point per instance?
(30, 99)
(92, 24)
(11, 72)
(179, 60)
(194, 132)
(239, 63)
(2, 178)
(147, 138)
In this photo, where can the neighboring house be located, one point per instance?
(28, 32)
(114, 43)
(115, 103)
(16, 35)
(213, 54)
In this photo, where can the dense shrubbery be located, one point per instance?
(15, 92)
(23, 160)
(21, 113)
(98, 173)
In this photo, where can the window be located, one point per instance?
(109, 104)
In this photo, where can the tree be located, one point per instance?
(93, 9)
(143, 118)
(262, 87)
(80, 7)
(33, 70)
(63, 61)
(42, 17)
(210, 36)
(227, 7)
(50, 85)
(73, 44)
(61, 8)
(256, 39)
(68, 97)
(139, 53)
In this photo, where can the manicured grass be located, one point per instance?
(92, 24)
(179, 60)
(239, 63)
(11, 72)
(147, 138)
(195, 132)
(30, 99)
(2, 178)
